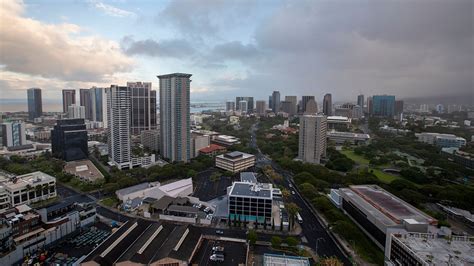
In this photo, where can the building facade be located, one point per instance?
(235, 161)
(13, 134)
(98, 105)
(304, 102)
(293, 104)
(76, 111)
(311, 107)
(251, 202)
(151, 139)
(312, 138)
(85, 100)
(29, 188)
(383, 105)
(398, 107)
(69, 140)
(360, 100)
(249, 100)
(441, 140)
(327, 104)
(69, 97)
(261, 107)
(175, 125)
(35, 103)
(142, 107)
(118, 129)
(198, 142)
(275, 101)
(229, 106)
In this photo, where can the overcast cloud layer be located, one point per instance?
(406, 48)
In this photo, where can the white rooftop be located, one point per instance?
(28, 179)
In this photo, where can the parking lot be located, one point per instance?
(206, 190)
(234, 253)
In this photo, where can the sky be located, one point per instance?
(410, 49)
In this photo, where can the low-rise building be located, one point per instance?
(275, 259)
(393, 130)
(212, 150)
(408, 248)
(463, 158)
(225, 140)
(338, 122)
(235, 161)
(180, 188)
(352, 138)
(251, 202)
(377, 211)
(441, 140)
(29, 188)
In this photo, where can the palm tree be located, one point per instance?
(293, 209)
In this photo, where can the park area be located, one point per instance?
(377, 170)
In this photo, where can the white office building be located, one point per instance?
(312, 138)
(441, 140)
(76, 111)
(14, 134)
(235, 161)
(29, 188)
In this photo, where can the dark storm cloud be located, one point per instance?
(176, 48)
(404, 48)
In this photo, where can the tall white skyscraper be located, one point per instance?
(312, 138)
(118, 129)
(175, 122)
(76, 111)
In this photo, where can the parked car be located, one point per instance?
(207, 209)
(217, 257)
(219, 232)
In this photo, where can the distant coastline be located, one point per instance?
(54, 105)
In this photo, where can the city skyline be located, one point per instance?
(353, 56)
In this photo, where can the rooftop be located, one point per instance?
(248, 177)
(251, 190)
(212, 148)
(31, 179)
(338, 118)
(349, 134)
(132, 189)
(385, 206)
(235, 155)
(440, 251)
(181, 75)
(84, 169)
(278, 260)
(145, 242)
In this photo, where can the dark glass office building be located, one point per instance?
(69, 139)
(35, 104)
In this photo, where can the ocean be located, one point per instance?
(53, 105)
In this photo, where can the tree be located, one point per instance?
(293, 209)
(291, 241)
(332, 261)
(276, 241)
(191, 173)
(252, 237)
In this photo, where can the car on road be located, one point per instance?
(217, 257)
(219, 232)
(293, 192)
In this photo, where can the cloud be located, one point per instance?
(234, 50)
(111, 10)
(176, 48)
(58, 51)
(416, 48)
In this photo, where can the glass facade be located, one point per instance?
(383, 105)
(35, 106)
(69, 140)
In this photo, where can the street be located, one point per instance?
(313, 230)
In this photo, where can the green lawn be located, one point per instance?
(356, 158)
(382, 176)
(110, 202)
